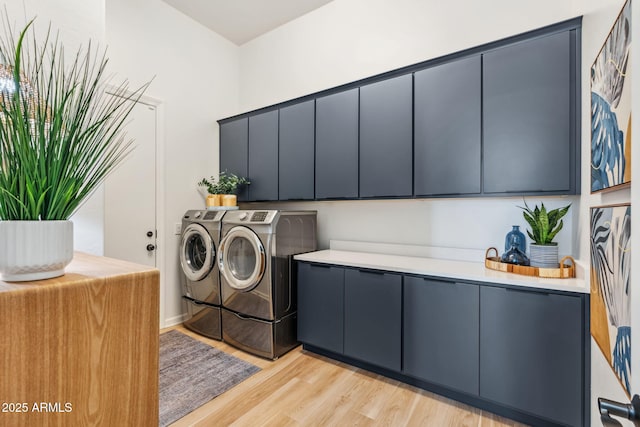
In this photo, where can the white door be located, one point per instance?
(130, 194)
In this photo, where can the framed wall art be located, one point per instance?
(610, 287)
(611, 108)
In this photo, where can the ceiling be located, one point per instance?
(243, 20)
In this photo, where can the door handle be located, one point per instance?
(151, 247)
(629, 411)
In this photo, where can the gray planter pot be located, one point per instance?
(544, 256)
(34, 250)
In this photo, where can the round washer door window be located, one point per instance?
(242, 259)
(197, 253)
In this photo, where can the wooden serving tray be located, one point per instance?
(564, 271)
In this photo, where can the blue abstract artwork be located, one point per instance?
(611, 108)
(611, 287)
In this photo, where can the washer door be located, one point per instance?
(197, 252)
(241, 259)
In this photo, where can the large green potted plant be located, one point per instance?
(61, 134)
(545, 225)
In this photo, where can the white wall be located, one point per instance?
(346, 40)
(196, 77)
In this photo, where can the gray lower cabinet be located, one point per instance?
(263, 156)
(234, 147)
(373, 317)
(321, 306)
(447, 128)
(336, 168)
(531, 352)
(386, 138)
(296, 152)
(441, 337)
(528, 103)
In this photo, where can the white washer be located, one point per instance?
(258, 288)
(201, 278)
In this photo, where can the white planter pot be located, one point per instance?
(34, 250)
(544, 256)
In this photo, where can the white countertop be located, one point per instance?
(463, 270)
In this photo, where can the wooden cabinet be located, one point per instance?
(296, 152)
(263, 156)
(447, 128)
(234, 150)
(529, 115)
(441, 337)
(386, 138)
(531, 352)
(337, 145)
(373, 317)
(85, 343)
(321, 306)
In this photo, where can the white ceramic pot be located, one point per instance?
(544, 256)
(34, 250)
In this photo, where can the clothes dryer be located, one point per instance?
(200, 274)
(258, 285)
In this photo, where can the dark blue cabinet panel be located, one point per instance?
(441, 337)
(337, 145)
(527, 116)
(234, 147)
(263, 156)
(386, 138)
(321, 306)
(296, 165)
(373, 317)
(447, 131)
(531, 352)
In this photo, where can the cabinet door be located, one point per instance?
(441, 338)
(527, 119)
(297, 140)
(337, 145)
(386, 137)
(321, 306)
(447, 128)
(373, 318)
(263, 156)
(234, 148)
(531, 352)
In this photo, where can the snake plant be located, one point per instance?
(544, 224)
(61, 133)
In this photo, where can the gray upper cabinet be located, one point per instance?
(296, 164)
(527, 107)
(337, 145)
(531, 352)
(373, 317)
(386, 139)
(440, 342)
(263, 156)
(447, 128)
(234, 146)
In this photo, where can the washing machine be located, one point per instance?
(258, 284)
(201, 278)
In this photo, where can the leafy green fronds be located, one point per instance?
(61, 132)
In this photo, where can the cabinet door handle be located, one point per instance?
(321, 265)
(376, 272)
(528, 291)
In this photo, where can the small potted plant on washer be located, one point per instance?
(223, 192)
(545, 225)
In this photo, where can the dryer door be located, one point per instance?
(197, 252)
(242, 259)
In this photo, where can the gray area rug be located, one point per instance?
(192, 373)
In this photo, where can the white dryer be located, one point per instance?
(201, 278)
(259, 293)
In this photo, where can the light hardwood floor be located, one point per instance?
(304, 389)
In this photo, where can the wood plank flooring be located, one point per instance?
(304, 389)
